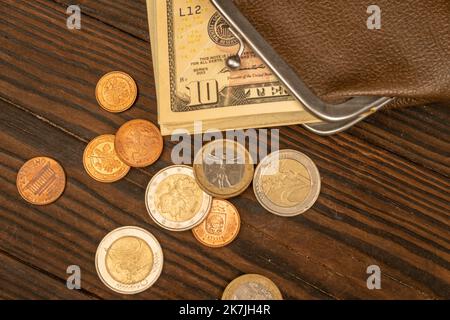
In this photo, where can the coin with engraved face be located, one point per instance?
(139, 143)
(129, 260)
(41, 181)
(221, 226)
(116, 92)
(252, 287)
(287, 183)
(175, 201)
(224, 168)
(101, 161)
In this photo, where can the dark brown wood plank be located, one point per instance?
(372, 211)
(77, 221)
(134, 21)
(21, 281)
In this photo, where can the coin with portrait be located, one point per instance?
(287, 183)
(221, 226)
(129, 260)
(116, 91)
(224, 168)
(175, 201)
(139, 143)
(252, 287)
(101, 161)
(41, 181)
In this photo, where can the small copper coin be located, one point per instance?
(41, 181)
(221, 226)
(139, 143)
(101, 161)
(116, 92)
(252, 287)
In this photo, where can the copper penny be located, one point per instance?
(101, 161)
(116, 92)
(139, 143)
(41, 181)
(221, 226)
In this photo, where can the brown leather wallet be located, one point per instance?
(331, 48)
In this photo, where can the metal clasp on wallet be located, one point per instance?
(336, 117)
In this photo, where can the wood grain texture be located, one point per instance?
(385, 197)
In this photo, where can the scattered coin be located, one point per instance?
(41, 181)
(129, 260)
(252, 287)
(116, 92)
(223, 169)
(287, 183)
(221, 226)
(101, 161)
(139, 143)
(175, 201)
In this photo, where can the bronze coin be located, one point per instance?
(116, 92)
(101, 161)
(221, 226)
(139, 143)
(41, 181)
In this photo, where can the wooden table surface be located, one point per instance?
(385, 183)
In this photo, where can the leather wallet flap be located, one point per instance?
(331, 47)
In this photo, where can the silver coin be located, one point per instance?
(287, 183)
(252, 287)
(223, 168)
(129, 260)
(175, 201)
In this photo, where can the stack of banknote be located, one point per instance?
(190, 45)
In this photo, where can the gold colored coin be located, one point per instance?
(221, 226)
(41, 181)
(287, 183)
(175, 201)
(252, 287)
(224, 169)
(101, 161)
(139, 143)
(129, 260)
(116, 92)
(119, 258)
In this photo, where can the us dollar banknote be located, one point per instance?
(190, 45)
